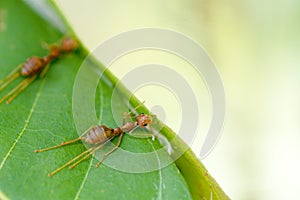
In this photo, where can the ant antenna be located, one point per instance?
(134, 109)
(127, 115)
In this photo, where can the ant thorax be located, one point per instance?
(129, 126)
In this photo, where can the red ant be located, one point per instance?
(99, 135)
(33, 66)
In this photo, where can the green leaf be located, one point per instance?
(41, 116)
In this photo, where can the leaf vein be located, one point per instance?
(84, 180)
(24, 128)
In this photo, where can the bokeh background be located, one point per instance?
(255, 46)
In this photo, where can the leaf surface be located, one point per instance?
(42, 116)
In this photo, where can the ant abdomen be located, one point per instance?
(98, 134)
(32, 66)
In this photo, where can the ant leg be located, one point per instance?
(112, 150)
(64, 143)
(12, 76)
(124, 118)
(95, 148)
(44, 71)
(15, 71)
(69, 162)
(144, 134)
(26, 83)
(16, 88)
(57, 146)
(9, 80)
(129, 133)
(147, 135)
(153, 135)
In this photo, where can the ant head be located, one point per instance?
(143, 120)
(68, 44)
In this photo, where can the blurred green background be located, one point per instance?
(255, 46)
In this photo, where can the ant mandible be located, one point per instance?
(33, 66)
(99, 135)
